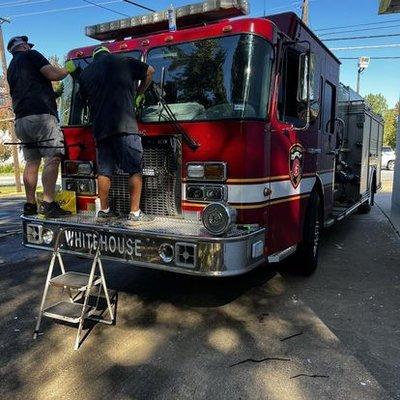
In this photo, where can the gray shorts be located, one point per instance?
(42, 135)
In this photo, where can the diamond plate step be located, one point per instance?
(73, 280)
(67, 311)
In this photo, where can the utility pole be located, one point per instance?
(304, 12)
(8, 107)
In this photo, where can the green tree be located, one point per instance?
(199, 68)
(55, 61)
(389, 137)
(378, 103)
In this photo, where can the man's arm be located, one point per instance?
(144, 84)
(53, 73)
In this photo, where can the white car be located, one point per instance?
(388, 158)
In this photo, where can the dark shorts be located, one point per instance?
(120, 153)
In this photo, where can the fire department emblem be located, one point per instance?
(296, 158)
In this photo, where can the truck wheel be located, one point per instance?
(308, 250)
(390, 165)
(365, 208)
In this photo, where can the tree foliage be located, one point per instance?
(379, 105)
(389, 137)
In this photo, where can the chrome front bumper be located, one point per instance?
(194, 250)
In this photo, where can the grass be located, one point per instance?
(7, 169)
(6, 191)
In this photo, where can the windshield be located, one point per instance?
(213, 79)
(72, 109)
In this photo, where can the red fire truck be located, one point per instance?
(248, 152)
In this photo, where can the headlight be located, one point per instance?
(207, 171)
(166, 252)
(47, 236)
(69, 184)
(206, 192)
(218, 218)
(81, 168)
(195, 171)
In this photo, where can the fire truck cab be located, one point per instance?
(247, 155)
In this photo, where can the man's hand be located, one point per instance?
(60, 90)
(70, 67)
(139, 100)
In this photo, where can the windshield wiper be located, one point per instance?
(170, 117)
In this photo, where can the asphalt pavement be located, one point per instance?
(265, 335)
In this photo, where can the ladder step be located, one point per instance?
(67, 311)
(73, 280)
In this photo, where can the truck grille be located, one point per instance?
(161, 194)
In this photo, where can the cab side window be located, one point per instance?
(329, 108)
(297, 84)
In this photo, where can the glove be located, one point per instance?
(139, 101)
(70, 67)
(60, 90)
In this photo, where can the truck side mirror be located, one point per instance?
(305, 90)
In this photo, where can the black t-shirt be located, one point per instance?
(31, 92)
(109, 84)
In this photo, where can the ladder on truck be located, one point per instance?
(85, 292)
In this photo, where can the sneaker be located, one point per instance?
(142, 217)
(30, 209)
(103, 216)
(52, 210)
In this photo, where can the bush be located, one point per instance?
(7, 169)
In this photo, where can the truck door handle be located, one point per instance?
(313, 151)
(331, 153)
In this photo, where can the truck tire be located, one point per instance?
(390, 165)
(365, 208)
(308, 250)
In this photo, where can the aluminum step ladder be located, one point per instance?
(85, 291)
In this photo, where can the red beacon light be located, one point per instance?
(190, 15)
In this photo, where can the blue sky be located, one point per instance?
(58, 32)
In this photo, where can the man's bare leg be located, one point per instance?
(104, 183)
(135, 190)
(31, 173)
(49, 178)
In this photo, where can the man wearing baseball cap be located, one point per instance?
(110, 86)
(36, 121)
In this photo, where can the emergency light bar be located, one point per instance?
(193, 14)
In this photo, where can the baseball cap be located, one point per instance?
(16, 41)
(100, 49)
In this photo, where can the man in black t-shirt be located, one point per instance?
(109, 84)
(36, 122)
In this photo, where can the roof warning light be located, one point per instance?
(193, 14)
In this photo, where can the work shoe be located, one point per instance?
(52, 210)
(30, 209)
(142, 217)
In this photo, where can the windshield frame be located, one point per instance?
(270, 89)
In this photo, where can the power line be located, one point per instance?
(55, 10)
(23, 3)
(139, 5)
(359, 30)
(106, 8)
(356, 25)
(372, 58)
(361, 37)
(380, 46)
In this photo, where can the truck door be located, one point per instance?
(327, 139)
